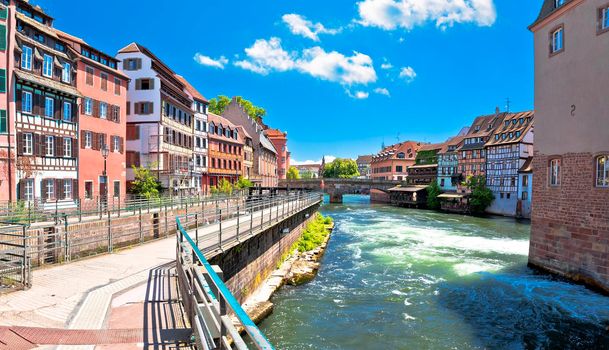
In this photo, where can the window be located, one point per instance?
(50, 146)
(28, 189)
(144, 84)
(66, 73)
(555, 172)
(132, 64)
(117, 189)
(2, 34)
(89, 75)
(117, 86)
(26, 58)
(50, 189)
(49, 107)
(3, 121)
(26, 102)
(557, 40)
(525, 181)
(88, 139)
(88, 106)
(67, 189)
(116, 144)
(103, 110)
(67, 147)
(602, 171)
(399, 169)
(558, 3)
(525, 195)
(67, 111)
(2, 80)
(47, 66)
(603, 17)
(104, 81)
(401, 155)
(88, 189)
(28, 144)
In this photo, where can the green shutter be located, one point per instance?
(2, 80)
(3, 12)
(2, 37)
(3, 121)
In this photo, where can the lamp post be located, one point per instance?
(191, 180)
(105, 151)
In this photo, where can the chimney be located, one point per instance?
(497, 110)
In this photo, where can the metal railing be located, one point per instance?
(37, 210)
(207, 301)
(15, 264)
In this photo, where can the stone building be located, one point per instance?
(570, 214)
(102, 121)
(265, 172)
(248, 153)
(508, 148)
(226, 144)
(363, 166)
(392, 162)
(279, 139)
(160, 132)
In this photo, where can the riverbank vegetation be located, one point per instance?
(314, 233)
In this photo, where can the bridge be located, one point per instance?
(336, 188)
(149, 295)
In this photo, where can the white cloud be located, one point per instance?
(358, 95)
(266, 56)
(329, 159)
(407, 14)
(386, 65)
(382, 91)
(408, 74)
(299, 25)
(210, 62)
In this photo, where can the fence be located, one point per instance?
(14, 259)
(206, 299)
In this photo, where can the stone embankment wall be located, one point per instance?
(570, 222)
(248, 264)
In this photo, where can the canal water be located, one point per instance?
(396, 278)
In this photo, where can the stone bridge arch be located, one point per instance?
(337, 188)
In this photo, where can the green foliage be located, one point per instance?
(433, 191)
(306, 174)
(427, 157)
(145, 183)
(481, 197)
(243, 183)
(224, 187)
(341, 169)
(218, 105)
(314, 234)
(293, 173)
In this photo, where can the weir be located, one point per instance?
(227, 236)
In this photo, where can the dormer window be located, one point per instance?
(507, 123)
(558, 3)
(497, 137)
(603, 19)
(477, 128)
(521, 121)
(401, 155)
(557, 45)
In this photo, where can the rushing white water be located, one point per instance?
(407, 279)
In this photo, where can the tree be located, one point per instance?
(481, 197)
(306, 174)
(243, 183)
(145, 184)
(293, 173)
(433, 191)
(341, 169)
(218, 106)
(223, 187)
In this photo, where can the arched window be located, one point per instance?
(554, 169)
(401, 155)
(602, 171)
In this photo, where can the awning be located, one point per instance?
(408, 189)
(451, 196)
(423, 166)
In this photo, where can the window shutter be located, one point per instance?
(58, 146)
(58, 188)
(22, 189)
(74, 189)
(118, 114)
(75, 148)
(136, 108)
(3, 33)
(151, 84)
(139, 63)
(58, 105)
(82, 106)
(138, 84)
(105, 140)
(19, 143)
(45, 193)
(36, 103)
(122, 145)
(96, 109)
(128, 108)
(82, 139)
(36, 145)
(19, 93)
(125, 64)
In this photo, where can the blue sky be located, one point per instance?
(340, 76)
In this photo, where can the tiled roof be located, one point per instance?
(547, 8)
(217, 120)
(513, 128)
(364, 159)
(431, 147)
(191, 90)
(392, 151)
(243, 131)
(484, 125)
(455, 141)
(133, 47)
(527, 167)
(275, 134)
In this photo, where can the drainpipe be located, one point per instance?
(9, 90)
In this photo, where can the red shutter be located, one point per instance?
(18, 99)
(36, 145)
(43, 185)
(104, 141)
(58, 105)
(82, 106)
(20, 143)
(128, 107)
(75, 148)
(96, 109)
(122, 145)
(58, 188)
(58, 146)
(82, 139)
(22, 189)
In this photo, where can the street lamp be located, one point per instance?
(105, 151)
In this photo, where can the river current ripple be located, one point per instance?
(397, 278)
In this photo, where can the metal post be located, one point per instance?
(166, 223)
(238, 223)
(119, 205)
(197, 228)
(66, 239)
(220, 232)
(251, 220)
(141, 232)
(110, 243)
(262, 212)
(79, 210)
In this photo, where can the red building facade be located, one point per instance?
(280, 141)
(225, 150)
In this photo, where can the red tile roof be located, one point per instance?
(275, 134)
(191, 90)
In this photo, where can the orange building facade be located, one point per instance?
(393, 161)
(226, 145)
(102, 122)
